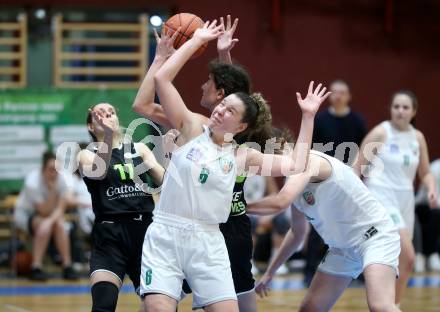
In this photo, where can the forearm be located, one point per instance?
(45, 208)
(157, 172)
(266, 206)
(429, 181)
(224, 56)
(300, 154)
(291, 243)
(59, 210)
(282, 200)
(144, 101)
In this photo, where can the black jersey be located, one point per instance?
(238, 205)
(117, 193)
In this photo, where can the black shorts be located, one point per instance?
(238, 238)
(117, 246)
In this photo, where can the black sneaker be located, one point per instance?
(38, 275)
(70, 274)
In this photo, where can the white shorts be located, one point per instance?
(382, 248)
(175, 249)
(399, 204)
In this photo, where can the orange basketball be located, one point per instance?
(188, 24)
(22, 262)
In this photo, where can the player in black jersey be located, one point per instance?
(118, 175)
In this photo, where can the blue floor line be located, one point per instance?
(277, 284)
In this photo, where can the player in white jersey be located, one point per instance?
(184, 240)
(357, 228)
(389, 158)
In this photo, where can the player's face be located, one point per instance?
(50, 174)
(210, 94)
(402, 110)
(227, 115)
(340, 95)
(108, 112)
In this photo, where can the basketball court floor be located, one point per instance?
(21, 295)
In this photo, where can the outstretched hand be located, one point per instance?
(164, 43)
(225, 41)
(208, 32)
(314, 98)
(262, 288)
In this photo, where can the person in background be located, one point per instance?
(40, 211)
(429, 220)
(390, 157)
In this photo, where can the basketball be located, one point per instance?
(188, 24)
(22, 262)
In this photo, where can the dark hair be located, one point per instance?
(410, 94)
(414, 101)
(258, 117)
(282, 136)
(47, 156)
(232, 78)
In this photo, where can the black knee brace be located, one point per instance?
(104, 297)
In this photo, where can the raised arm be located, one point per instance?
(174, 107)
(226, 42)
(424, 171)
(155, 170)
(144, 103)
(95, 165)
(276, 203)
(292, 242)
(369, 148)
(286, 165)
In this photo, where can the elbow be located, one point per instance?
(159, 78)
(282, 203)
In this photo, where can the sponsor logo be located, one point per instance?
(226, 165)
(125, 191)
(370, 232)
(309, 198)
(194, 155)
(394, 148)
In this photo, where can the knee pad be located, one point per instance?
(104, 297)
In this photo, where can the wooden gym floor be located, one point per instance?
(20, 295)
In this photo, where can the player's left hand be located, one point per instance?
(314, 98)
(226, 42)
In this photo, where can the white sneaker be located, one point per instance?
(419, 264)
(282, 270)
(434, 262)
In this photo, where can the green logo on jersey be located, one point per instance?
(123, 169)
(237, 207)
(240, 179)
(203, 175)
(148, 276)
(406, 160)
